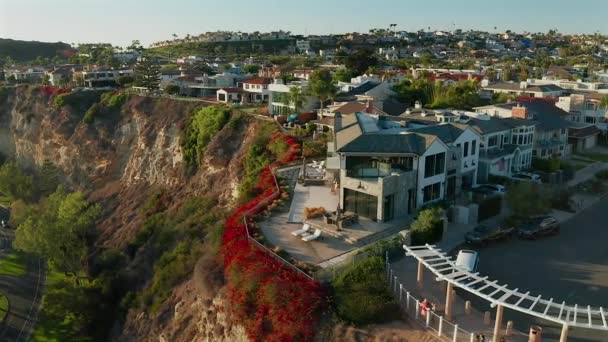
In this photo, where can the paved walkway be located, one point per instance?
(435, 292)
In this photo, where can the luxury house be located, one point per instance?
(388, 170)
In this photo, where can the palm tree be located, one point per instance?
(296, 98)
(321, 85)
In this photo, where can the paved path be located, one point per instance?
(24, 295)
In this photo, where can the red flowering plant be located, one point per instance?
(274, 302)
(53, 91)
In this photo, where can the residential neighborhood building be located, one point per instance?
(521, 89)
(257, 88)
(278, 94)
(388, 170)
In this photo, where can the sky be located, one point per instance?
(121, 21)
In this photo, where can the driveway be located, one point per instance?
(572, 266)
(24, 295)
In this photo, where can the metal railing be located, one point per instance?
(411, 306)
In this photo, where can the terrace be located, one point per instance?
(334, 242)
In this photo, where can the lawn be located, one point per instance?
(3, 307)
(13, 264)
(48, 329)
(597, 156)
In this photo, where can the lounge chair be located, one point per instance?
(310, 237)
(320, 166)
(304, 230)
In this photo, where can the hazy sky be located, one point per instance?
(120, 21)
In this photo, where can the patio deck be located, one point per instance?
(278, 228)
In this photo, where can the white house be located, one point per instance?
(257, 88)
(278, 94)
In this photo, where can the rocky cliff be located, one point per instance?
(119, 160)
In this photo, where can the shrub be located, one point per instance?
(546, 165)
(60, 101)
(89, 115)
(603, 175)
(172, 89)
(314, 149)
(114, 100)
(361, 294)
(527, 199)
(310, 213)
(428, 227)
(200, 129)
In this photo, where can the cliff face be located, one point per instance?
(119, 160)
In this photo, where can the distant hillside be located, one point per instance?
(224, 48)
(23, 51)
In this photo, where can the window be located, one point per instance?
(434, 165)
(543, 152)
(493, 141)
(520, 140)
(222, 97)
(431, 192)
(563, 131)
(534, 153)
(473, 147)
(588, 119)
(514, 140)
(466, 149)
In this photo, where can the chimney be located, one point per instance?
(519, 112)
(337, 121)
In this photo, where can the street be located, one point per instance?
(572, 266)
(24, 295)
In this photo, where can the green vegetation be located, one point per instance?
(3, 307)
(13, 264)
(244, 48)
(174, 238)
(546, 165)
(200, 129)
(172, 268)
(428, 227)
(258, 156)
(15, 183)
(597, 156)
(172, 89)
(321, 84)
(361, 296)
(527, 199)
(25, 51)
(147, 74)
(57, 229)
(80, 101)
(462, 95)
(114, 100)
(311, 149)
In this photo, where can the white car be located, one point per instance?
(526, 177)
(497, 188)
(467, 260)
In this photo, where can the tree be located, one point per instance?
(14, 183)
(48, 178)
(172, 89)
(251, 68)
(360, 61)
(321, 85)
(604, 102)
(428, 227)
(147, 73)
(295, 98)
(125, 81)
(527, 199)
(58, 229)
(342, 75)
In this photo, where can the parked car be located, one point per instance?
(538, 226)
(526, 177)
(467, 260)
(481, 234)
(491, 188)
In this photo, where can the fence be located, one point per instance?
(265, 202)
(409, 304)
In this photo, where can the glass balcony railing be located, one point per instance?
(371, 172)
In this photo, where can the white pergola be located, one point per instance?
(501, 296)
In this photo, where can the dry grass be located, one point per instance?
(310, 213)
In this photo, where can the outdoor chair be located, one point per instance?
(302, 231)
(310, 237)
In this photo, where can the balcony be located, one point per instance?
(373, 172)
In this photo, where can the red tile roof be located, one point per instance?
(258, 80)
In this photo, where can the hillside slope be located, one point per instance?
(23, 51)
(123, 159)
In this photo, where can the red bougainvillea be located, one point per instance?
(273, 302)
(51, 90)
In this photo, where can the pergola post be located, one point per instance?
(564, 336)
(448, 302)
(419, 276)
(498, 323)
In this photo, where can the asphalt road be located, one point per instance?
(24, 295)
(572, 266)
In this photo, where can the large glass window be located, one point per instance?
(493, 141)
(466, 149)
(370, 167)
(473, 147)
(432, 192)
(360, 203)
(434, 165)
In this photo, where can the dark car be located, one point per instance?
(481, 234)
(538, 226)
